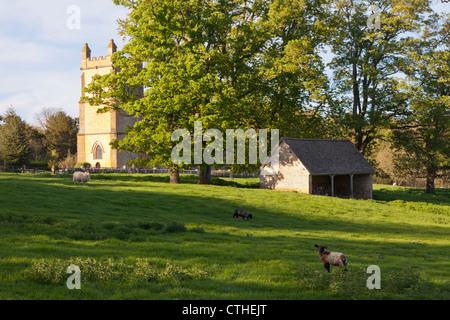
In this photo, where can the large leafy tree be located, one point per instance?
(171, 53)
(424, 133)
(230, 64)
(14, 144)
(367, 62)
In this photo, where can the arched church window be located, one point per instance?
(98, 152)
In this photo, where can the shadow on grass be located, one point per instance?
(128, 233)
(287, 282)
(162, 178)
(93, 205)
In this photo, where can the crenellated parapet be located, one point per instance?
(88, 62)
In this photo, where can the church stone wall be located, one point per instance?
(100, 128)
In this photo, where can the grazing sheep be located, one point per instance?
(331, 258)
(79, 176)
(241, 213)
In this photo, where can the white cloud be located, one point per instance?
(47, 19)
(19, 51)
(40, 57)
(44, 89)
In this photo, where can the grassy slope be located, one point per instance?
(45, 217)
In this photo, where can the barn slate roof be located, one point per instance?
(329, 156)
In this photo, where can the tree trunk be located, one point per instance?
(431, 175)
(174, 174)
(204, 175)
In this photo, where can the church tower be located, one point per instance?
(98, 130)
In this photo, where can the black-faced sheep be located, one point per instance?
(79, 176)
(241, 213)
(331, 258)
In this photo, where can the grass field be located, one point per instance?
(139, 237)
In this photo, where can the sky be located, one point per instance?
(40, 50)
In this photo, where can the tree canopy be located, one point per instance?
(14, 144)
(261, 65)
(60, 134)
(229, 64)
(424, 132)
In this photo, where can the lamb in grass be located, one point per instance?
(331, 258)
(79, 176)
(241, 213)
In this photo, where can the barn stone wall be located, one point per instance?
(363, 186)
(292, 175)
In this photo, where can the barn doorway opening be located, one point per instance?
(332, 185)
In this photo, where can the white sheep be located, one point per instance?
(79, 176)
(331, 258)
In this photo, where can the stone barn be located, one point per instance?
(321, 167)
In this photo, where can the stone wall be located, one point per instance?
(292, 175)
(101, 128)
(363, 186)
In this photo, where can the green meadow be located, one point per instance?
(139, 237)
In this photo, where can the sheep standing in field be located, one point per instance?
(331, 258)
(241, 213)
(79, 176)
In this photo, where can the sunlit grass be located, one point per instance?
(123, 218)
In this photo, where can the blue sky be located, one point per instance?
(40, 56)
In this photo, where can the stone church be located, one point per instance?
(98, 130)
